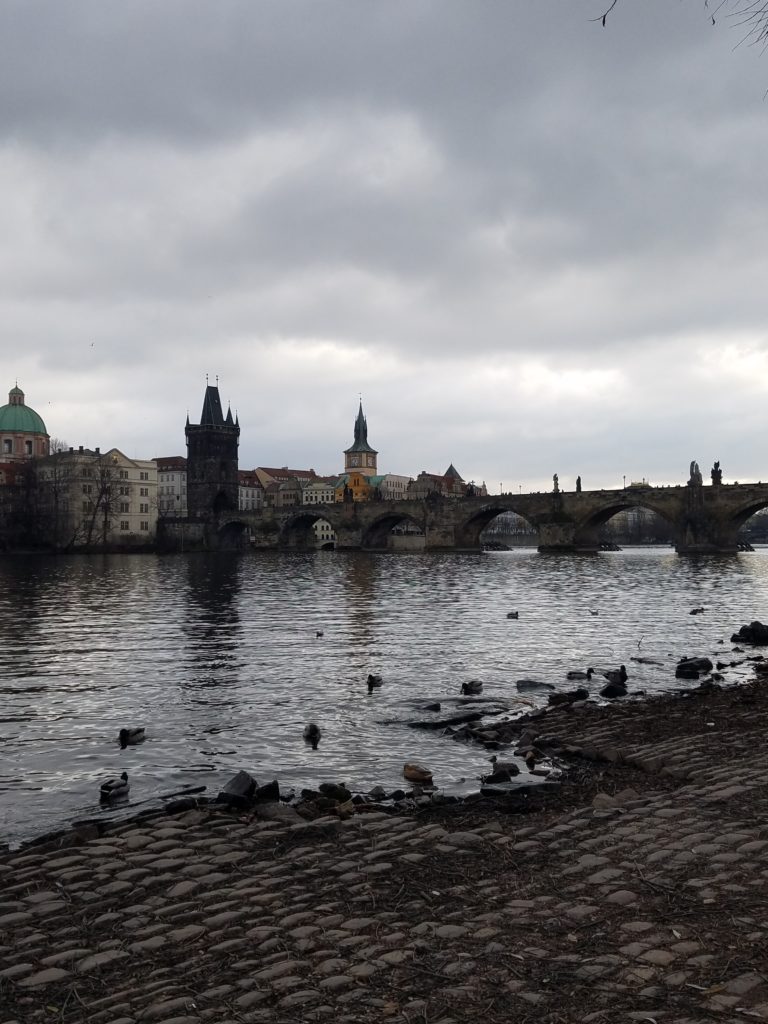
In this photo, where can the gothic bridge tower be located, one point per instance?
(212, 479)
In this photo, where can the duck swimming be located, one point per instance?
(616, 675)
(130, 737)
(113, 788)
(473, 686)
(374, 682)
(312, 734)
(576, 674)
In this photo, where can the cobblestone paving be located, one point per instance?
(640, 908)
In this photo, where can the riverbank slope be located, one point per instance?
(637, 892)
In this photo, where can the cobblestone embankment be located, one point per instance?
(644, 905)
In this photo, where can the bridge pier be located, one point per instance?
(701, 531)
(349, 537)
(437, 538)
(707, 549)
(558, 537)
(705, 541)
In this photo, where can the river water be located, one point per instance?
(218, 657)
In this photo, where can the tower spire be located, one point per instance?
(361, 456)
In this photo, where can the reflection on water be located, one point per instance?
(219, 657)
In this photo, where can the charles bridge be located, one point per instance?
(704, 519)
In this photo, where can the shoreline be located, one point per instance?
(635, 892)
(525, 790)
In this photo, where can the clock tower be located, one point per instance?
(360, 457)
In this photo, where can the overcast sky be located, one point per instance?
(533, 244)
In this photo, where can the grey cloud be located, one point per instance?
(439, 192)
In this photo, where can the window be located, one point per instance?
(87, 488)
(124, 524)
(7, 446)
(86, 506)
(28, 446)
(144, 509)
(124, 490)
(125, 506)
(144, 525)
(143, 476)
(123, 474)
(144, 492)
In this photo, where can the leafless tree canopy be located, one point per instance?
(749, 16)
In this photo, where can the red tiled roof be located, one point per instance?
(284, 473)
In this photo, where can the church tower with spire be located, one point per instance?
(360, 457)
(212, 479)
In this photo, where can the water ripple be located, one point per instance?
(195, 646)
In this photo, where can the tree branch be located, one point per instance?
(751, 15)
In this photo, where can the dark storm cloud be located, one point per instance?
(526, 238)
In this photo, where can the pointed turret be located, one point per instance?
(211, 416)
(360, 457)
(361, 427)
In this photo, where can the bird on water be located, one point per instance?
(130, 737)
(374, 682)
(114, 788)
(312, 734)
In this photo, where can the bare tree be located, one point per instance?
(750, 16)
(55, 480)
(109, 491)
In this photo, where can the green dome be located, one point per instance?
(16, 418)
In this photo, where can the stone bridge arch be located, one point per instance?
(739, 516)
(467, 533)
(232, 533)
(587, 529)
(296, 529)
(376, 535)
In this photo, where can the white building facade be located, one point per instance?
(171, 486)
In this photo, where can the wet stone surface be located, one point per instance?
(647, 906)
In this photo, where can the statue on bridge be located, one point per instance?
(578, 485)
(556, 482)
(695, 479)
(716, 474)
